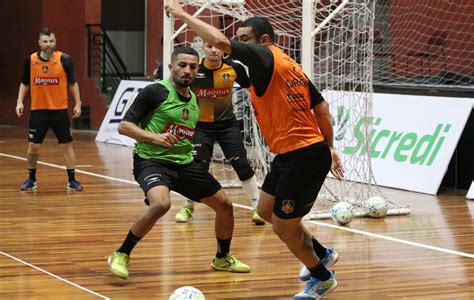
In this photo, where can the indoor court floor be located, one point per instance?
(54, 244)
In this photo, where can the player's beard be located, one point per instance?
(183, 81)
(48, 51)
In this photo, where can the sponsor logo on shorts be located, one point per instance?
(150, 179)
(287, 206)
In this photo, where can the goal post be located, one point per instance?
(333, 41)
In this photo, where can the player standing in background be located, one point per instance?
(214, 86)
(162, 120)
(295, 120)
(48, 74)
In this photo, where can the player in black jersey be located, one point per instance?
(214, 86)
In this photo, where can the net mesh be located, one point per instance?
(341, 57)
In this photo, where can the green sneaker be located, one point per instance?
(230, 264)
(257, 219)
(184, 214)
(118, 264)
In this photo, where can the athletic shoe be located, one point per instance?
(328, 261)
(316, 289)
(184, 214)
(230, 264)
(257, 219)
(28, 185)
(74, 185)
(118, 264)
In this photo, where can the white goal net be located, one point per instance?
(333, 40)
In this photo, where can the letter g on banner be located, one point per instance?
(126, 99)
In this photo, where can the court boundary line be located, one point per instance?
(366, 233)
(54, 275)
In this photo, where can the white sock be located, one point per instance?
(251, 189)
(189, 203)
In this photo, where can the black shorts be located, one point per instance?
(42, 120)
(191, 181)
(226, 133)
(295, 179)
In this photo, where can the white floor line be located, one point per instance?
(388, 238)
(55, 276)
(468, 255)
(77, 171)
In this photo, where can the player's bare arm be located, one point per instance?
(23, 90)
(322, 114)
(74, 89)
(209, 33)
(131, 130)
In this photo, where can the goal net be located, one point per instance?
(333, 40)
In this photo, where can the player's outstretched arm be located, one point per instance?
(209, 33)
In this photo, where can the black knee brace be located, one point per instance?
(242, 168)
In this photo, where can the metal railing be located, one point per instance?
(103, 60)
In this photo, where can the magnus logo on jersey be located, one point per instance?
(46, 81)
(180, 131)
(212, 93)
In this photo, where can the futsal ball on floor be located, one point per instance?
(376, 207)
(342, 213)
(187, 293)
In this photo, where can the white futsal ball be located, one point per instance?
(342, 213)
(187, 293)
(376, 207)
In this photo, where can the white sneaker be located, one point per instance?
(328, 261)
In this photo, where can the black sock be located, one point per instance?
(223, 247)
(130, 241)
(32, 174)
(320, 272)
(319, 249)
(70, 174)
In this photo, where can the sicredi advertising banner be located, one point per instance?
(123, 98)
(413, 137)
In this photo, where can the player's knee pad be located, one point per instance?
(242, 167)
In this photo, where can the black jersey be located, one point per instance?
(214, 89)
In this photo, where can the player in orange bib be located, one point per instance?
(48, 74)
(296, 123)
